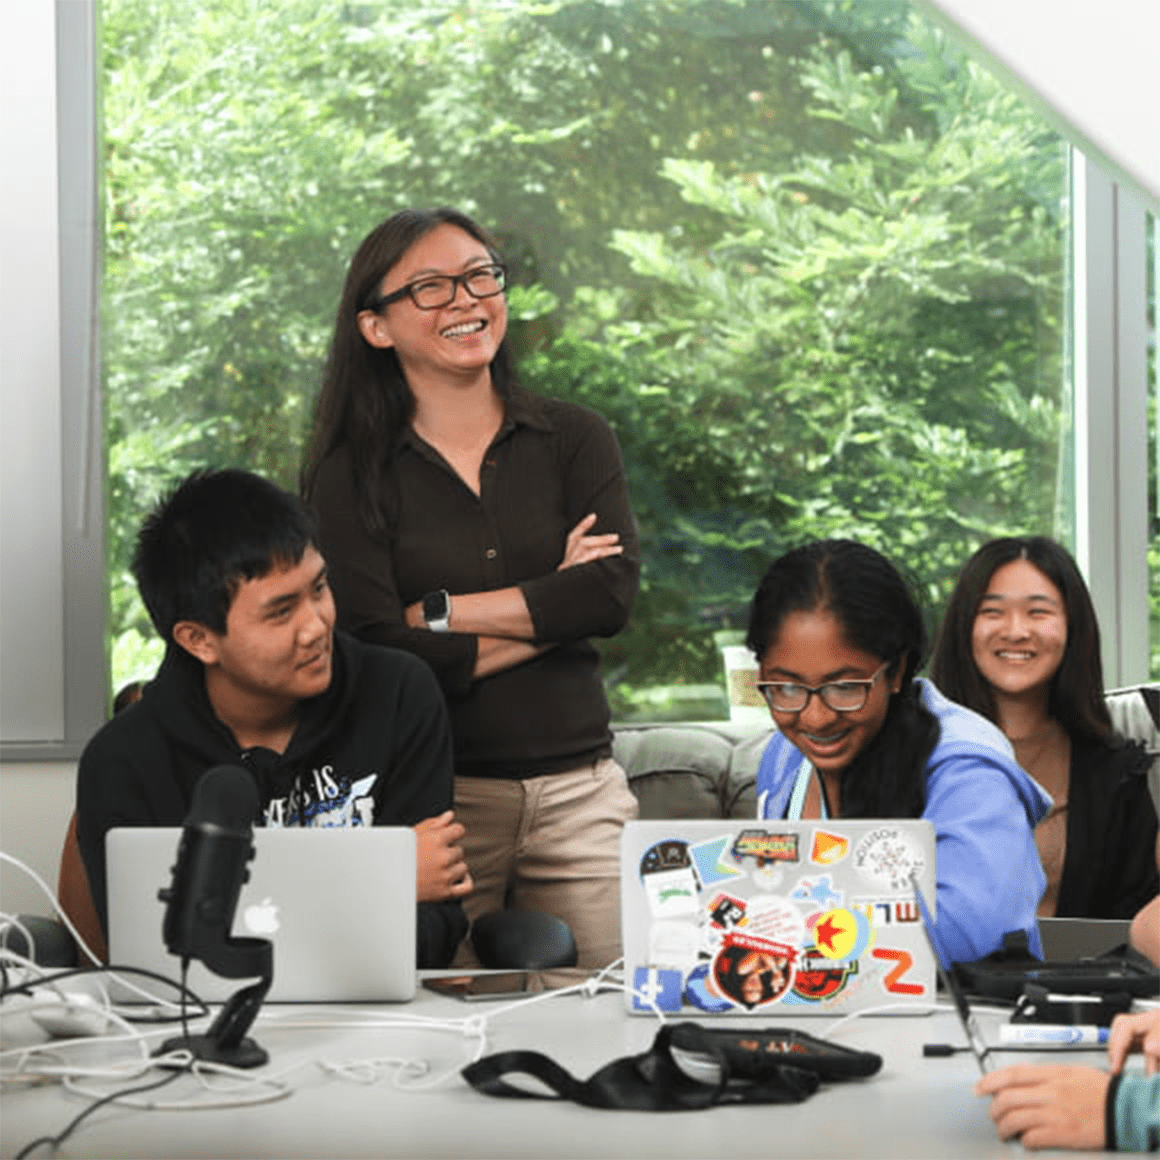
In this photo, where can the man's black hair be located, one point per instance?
(217, 529)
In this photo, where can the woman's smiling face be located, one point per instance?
(1020, 631)
(459, 338)
(811, 649)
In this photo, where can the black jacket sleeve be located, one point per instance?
(441, 928)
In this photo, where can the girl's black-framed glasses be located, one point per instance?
(841, 696)
(438, 290)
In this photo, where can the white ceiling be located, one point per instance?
(1090, 66)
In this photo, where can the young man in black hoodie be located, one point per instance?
(334, 732)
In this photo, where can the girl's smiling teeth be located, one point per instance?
(831, 739)
(462, 328)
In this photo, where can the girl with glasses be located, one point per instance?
(1020, 644)
(838, 638)
(487, 530)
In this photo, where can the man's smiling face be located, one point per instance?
(279, 635)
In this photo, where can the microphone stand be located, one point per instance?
(224, 1040)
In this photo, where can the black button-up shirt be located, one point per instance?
(549, 466)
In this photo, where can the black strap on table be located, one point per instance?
(651, 1082)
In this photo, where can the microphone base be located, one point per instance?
(245, 1053)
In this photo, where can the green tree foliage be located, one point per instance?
(804, 256)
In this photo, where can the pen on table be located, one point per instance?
(1060, 1033)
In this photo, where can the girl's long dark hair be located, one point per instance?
(864, 592)
(365, 404)
(1075, 697)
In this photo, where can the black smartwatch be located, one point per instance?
(437, 610)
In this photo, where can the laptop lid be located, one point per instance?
(736, 917)
(950, 982)
(1067, 939)
(337, 902)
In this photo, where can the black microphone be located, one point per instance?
(215, 847)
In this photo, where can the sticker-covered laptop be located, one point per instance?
(738, 917)
(338, 903)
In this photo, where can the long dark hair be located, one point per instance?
(864, 592)
(1075, 697)
(365, 403)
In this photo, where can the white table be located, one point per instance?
(913, 1107)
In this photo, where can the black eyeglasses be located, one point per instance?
(841, 696)
(440, 289)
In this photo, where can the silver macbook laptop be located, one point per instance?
(338, 904)
(737, 917)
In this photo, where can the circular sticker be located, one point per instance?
(774, 918)
(751, 972)
(841, 934)
(699, 994)
(671, 854)
(886, 858)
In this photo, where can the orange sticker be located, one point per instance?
(829, 848)
(903, 961)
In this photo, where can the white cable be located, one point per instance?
(24, 1070)
(268, 1088)
(84, 946)
(56, 906)
(887, 1009)
(12, 921)
(596, 980)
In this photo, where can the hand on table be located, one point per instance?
(442, 873)
(1052, 1106)
(1048, 1105)
(581, 548)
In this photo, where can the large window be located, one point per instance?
(808, 258)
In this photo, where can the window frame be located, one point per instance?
(1110, 414)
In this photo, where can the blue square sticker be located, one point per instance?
(660, 986)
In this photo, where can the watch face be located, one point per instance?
(435, 606)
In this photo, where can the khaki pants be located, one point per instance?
(549, 843)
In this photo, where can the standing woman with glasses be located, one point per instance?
(487, 530)
(838, 638)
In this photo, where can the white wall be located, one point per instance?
(36, 801)
(31, 561)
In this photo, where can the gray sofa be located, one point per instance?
(691, 771)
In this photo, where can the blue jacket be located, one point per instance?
(984, 809)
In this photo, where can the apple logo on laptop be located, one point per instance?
(262, 918)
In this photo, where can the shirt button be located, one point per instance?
(491, 553)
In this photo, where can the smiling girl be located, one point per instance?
(838, 638)
(1020, 644)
